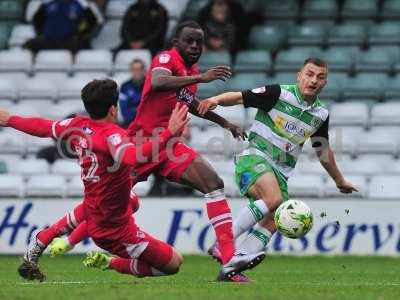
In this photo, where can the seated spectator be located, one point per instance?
(226, 25)
(144, 26)
(64, 24)
(131, 92)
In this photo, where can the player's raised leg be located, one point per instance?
(201, 176)
(257, 179)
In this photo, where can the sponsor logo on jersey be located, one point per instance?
(164, 58)
(115, 139)
(294, 129)
(185, 95)
(260, 90)
(288, 108)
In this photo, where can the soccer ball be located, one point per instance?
(293, 218)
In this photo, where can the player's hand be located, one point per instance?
(4, 117)
(179, 119)
(237, 131)
(220, 72)
(346, 187)
(207, 105)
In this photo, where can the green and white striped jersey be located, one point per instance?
(282, 124)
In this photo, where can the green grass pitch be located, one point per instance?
(278, 277)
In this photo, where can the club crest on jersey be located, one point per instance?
(115, 139)
(87, 130)
(185, 95)
(288, 147)
(260, 90)
(164, 58)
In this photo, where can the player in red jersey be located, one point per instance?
(107, 156)
(173, 76)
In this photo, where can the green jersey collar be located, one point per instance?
(300, 99)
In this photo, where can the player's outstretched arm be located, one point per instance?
(163, 80)
(34, 126)
(225, 99)
(327, 160)
(236, 131)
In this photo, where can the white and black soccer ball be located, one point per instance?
(293, 219)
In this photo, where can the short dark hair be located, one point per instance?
(189, 24)
(316, 61)
(98, 96)
(138, 61)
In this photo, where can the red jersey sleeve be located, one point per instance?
(117, 140)
(60, 128)
(164, 61)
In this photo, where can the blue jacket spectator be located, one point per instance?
(64, 24)
(131, 92)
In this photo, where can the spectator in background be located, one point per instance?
(131, 92)
(144, 26)
(226, 25)
(64, 24)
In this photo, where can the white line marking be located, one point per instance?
(269, 283)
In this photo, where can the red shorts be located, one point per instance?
(131, 242)
(170, 164)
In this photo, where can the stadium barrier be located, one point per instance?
(341, 226)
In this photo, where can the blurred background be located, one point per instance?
(50, 49)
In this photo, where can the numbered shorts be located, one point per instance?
(169, 165)
(130, 241)
(251, 167)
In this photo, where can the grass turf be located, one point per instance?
(358, 278)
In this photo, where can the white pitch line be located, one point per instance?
(269, 283)
(72, 282)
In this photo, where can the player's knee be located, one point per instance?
(274, 202)
(175, 264)
(214, 184)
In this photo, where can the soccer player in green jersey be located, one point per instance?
(287, 116)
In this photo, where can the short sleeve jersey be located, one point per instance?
(283, 123)
(156, 107)
(99, 145)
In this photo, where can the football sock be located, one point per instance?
(78, 234)
(66, 224)
(134, 267)
(219, 214)
(256, 241)
(249, 216)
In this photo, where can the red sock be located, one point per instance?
(62, 226)
(78, 234)
(131, 266)
(220, 217)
